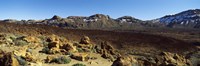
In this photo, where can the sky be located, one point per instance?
(141, 9)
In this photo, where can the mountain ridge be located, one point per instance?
(186, 19)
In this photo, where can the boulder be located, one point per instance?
(167, 58)
(107, 48)
(56, 41)
(29, 57)
(53, 38)
(21, 51)
(54, 50)
(69, 47)
(80, 56)
(85, 40)
(31, 39)
(53, 45)
(107, 51)
(49, 58)
(130, 60)
(122, 61)
(8, 59)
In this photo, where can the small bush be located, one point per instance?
(45, 50)
(79, 64)
(43, 40)
(21, 61)
(61, 60)
(80, 49)
(20, 43)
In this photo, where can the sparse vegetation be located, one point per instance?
(45, 50)
(20, 42)
(61, 60)
(21, 61)
(80, 49)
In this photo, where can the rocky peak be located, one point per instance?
(99, 16)
(55, 17)
(128, 19)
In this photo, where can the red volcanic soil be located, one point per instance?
(119, 39)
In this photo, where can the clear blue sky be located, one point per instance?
(142, 9)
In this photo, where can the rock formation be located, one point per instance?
(8, 59)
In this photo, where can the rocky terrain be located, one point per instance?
(43, 45)
(100, 40)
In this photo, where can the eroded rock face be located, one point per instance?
(8, 59)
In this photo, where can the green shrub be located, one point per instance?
(20, 43)
(61, 60)
(80, 49)
(45, 50)
(79, 64)
(43, 40)
(21, 61)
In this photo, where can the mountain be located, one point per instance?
(185, 19)
(96, 21)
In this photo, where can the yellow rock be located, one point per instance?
(80, 56)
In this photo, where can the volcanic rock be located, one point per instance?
(68, 47)
(85, 40)
(122, 61)
(173, 59)
(8, 59)
(80, 56)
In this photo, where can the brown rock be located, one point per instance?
(54, 50)
(53, 38)
(107, 48)
(122, 61)
(53, 45)
(29, 57)
(69, 47)
(108, 51)
(8, 59)
(85, 40)
(49, 58)
(31, 39)
(80, 56)
(168, 58)
(21, 51)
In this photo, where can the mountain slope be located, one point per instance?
(185, 19)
